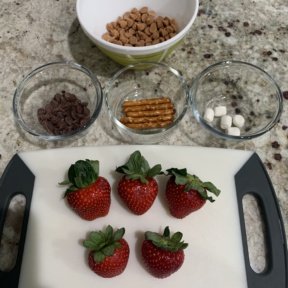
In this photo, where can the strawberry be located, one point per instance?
(89, 194)
(109, 252)
(186, 193)
(137, 188)
(163, 255)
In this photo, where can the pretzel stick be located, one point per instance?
(148, 107)
(150, 113)
(151, 101)
(148, 125)
(136, 120)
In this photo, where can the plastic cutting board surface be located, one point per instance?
(55, 258)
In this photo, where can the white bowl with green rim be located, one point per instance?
(94, 15)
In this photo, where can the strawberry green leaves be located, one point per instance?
(137, 167)
(171, 243)
(193, 182)
(104, 243)
(81, 174)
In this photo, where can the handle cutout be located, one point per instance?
(256, 233)
(10, 236)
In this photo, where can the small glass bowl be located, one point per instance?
(39, 87)
(146, 81)
(243, 89)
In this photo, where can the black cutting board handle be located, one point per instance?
(253, 179)
(16, 179)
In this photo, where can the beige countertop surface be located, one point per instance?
(37, 32)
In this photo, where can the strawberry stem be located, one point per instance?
(81, 174)
(192, 182)
(165, 241)
(137, 167)
(103, 243)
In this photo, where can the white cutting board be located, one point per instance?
(55, 258)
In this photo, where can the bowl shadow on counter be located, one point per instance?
(86, 53)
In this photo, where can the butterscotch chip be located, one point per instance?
(144, 17)
(149, 20)
(147, 31)
(126, 16)
(140, 43)
(109, 27)
(143, 9)
(152, 13)
(131, 31)
(132, 40)
(141, 26)
(155, 41)
(163, 32)
(107, 37)
(148, 39)
(122, 23)
(153, 27)
(155, 35)
(115, 41)
(130, 22)
(114, 33)
(133, 16)
(159, 22)
(124, 39)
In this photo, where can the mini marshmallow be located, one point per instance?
(233, 131)
(226, 122)
(220, 111)
(209, 115)
(238, 120)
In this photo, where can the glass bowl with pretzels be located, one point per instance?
(146, 101)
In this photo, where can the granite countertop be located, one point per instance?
(33, 34)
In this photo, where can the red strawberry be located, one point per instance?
(163, 255)
(137, 188)
(109, 252)
(89, 194)
(186, 193)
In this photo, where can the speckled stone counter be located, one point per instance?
(34, 33)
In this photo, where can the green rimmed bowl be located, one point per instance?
(94, 15)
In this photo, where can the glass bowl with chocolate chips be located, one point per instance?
(146, 101)
(236, 100)
(57, 101)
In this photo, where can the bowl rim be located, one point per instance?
(225, 63)
(71, 65)
(148, 132)
(139, 50)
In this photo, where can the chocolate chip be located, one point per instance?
(277, 156)
(284, 127)
(285, 94)
(227, 34)
(63, 114)
(245, 24)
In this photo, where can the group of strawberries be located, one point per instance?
(89, 195)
